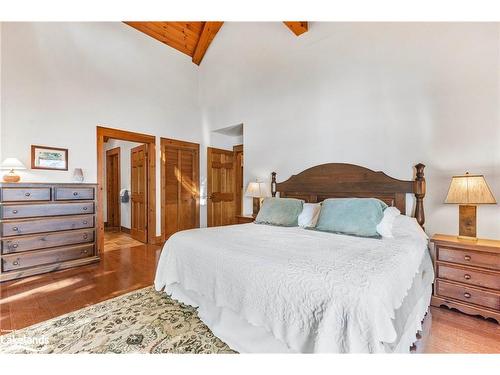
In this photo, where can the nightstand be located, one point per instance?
(244, 219)
(467, 275)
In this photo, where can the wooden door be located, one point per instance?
(138, 194)
(113, 188)
(238, 176)
(220, 187)
(180, 186)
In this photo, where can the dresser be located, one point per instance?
(46, 227)
(467, 275)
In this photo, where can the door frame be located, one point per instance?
(113, 151)
(165, 142)
(103, 134)
(241, 174)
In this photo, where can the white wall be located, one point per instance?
(125, 208)
(61, 80)
(382, 95)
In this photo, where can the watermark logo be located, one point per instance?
(24, 343)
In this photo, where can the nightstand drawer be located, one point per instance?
(467, 257)
(469, 276)
(468, 294)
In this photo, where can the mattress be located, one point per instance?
(263, 289)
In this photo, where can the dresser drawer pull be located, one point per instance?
(467, 276)
(85, 236)
(27, 194)
(84, 252)
(16, 262)
(75, 193)
(15, 229)
(467, 257)
(467, 295)
(85, 222)
(14, 246)
(14, 212)
(84, 208)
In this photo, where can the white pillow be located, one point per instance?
(384, 228)
(309, 215)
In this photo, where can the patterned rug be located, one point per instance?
(143, 321)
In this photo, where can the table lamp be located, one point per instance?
(12, 164)
(258, 191)
(468, 191)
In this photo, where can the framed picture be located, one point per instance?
(53, 158)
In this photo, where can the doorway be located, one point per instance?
(142, 185)
(113, 219)
(180, 184)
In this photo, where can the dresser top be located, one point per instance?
(492, 246)
(38, 184)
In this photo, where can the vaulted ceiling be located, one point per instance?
(194, 38)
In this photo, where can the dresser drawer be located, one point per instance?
(36, 258)
(468, 294)
(50, 209)
(469, 276)
(43, 241)
(16, 228)
(467, 257)
(67, 193)
(25, 194)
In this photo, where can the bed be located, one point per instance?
(272, 289)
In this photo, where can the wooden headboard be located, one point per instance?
(338, 180)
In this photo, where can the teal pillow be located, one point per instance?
(280, 211)
(353, 216)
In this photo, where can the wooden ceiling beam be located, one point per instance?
(210, 29)
(297, 27)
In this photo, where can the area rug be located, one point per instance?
(143, 321)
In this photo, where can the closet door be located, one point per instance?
(180, 186)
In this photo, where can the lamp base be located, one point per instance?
(256, 207)
(11, 177)
(467, 222)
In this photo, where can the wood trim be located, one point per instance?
(210, 29)
(125, 230)
(33, 166)
(337, 180)
(297, 27)
(238, 148)
(165, 142)
(123, 135)
(114, 151)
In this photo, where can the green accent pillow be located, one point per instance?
(280, 211)
(354, 216)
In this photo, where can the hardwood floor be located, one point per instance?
(116, 240)
(34, 299)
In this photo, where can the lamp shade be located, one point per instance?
(257, 190)
(12, 163)
(469, 189)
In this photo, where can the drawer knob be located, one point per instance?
(85, 208)
(14, 245)
(14, 212)
(15, 229)
(75, 193)
(27, 194)
(16, 262)
(84, 251)
(85, 222)
(467, 295)
(467, 276)
(85, 236)
(467, 257)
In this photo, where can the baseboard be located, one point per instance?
(158, 241)
(125, 230)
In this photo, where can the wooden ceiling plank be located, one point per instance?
(210, 29)
(174, 35)
(153, 32)
(297, 27)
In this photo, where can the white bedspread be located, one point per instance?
(314, 291)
